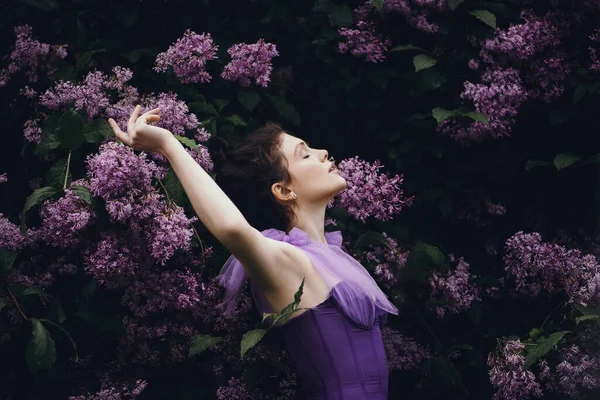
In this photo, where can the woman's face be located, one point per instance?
(311, 179)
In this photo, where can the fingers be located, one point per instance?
(122, 136)
(134, 116)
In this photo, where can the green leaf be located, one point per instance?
(423, 61)
(251, 339)
(191, 143)
(588, 318)
(55, 177)
(221, 103)
(32, 291)
(478, 117)
(453, 4)
(405, 47)
(70, 130)
(422, 259)
(43, 5)
(371, 238)
(565, 160)
(543, 347)
(202, 343)
(378, 4)
(248, 99)
(3, 303)
(587, 310)
(205, 108)
(38, 196)
(237, 120)
(441, 114)
(533, 164)
(40, 352)
(49, 142)
(579, 92)
(174, 187)
(341, 15)
(7, 259)
(84, 193)
(97, 130)
(485, 16)
(85, 58)
(285, 109)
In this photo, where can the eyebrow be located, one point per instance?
(298, 146)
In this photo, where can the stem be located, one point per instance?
(67, 173)
(66, 333)
(14, 299)
(164, 190)
(552, 312)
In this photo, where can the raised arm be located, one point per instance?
(262, 258)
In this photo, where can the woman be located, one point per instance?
(282, 186)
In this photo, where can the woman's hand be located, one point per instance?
(140, 135)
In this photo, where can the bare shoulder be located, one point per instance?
(271, 264)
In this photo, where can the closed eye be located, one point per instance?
(306, 156)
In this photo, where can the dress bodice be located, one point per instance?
(336, 347)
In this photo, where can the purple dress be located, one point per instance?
(335, 347)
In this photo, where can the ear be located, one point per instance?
(280, 192)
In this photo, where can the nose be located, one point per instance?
(326, 155)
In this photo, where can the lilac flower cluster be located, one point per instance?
(363, 41)
(415, 12)
(403, 353)
(455, 289)
(389, 259)
(91, 95)
(114, 391)
(27, 53)
(3, 178)
(499, 97)
(235, 389)
(368, 193)
(594, 51)
(575, 375)
(32, 131)
(63, 221)
(170, 230)
(188, 57)
(536, 265)
(10, 235)
(112, 261)
(508, 373)
(523, 62)
(250, 61)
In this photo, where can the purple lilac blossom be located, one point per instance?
(363, 42)
(32, 132)
(28, 92)
(595, 37)
(250, 61)
(575, 375)
(536, 265)
(508, 373)
(113, 262)
(235, 389)
(403, 353)
(455, 289)
(63, 221)
(10, 235)
(116, 171)
(368, 193)
(499, 97)
(3, 178)
(169, 231)
(389, 259)
(26, 54)
(90, 95)
(153, 292)
(188, 57)
(115, 391)
(415, 12)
